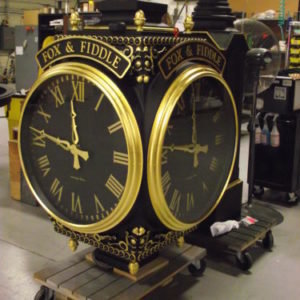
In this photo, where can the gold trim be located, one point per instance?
(233, 184)
(131, 132)
(133, 28)
(77, 55)
(159, 129)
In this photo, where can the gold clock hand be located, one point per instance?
(194, 130)
(75, 137)
(198, 149)
(66, 146)
(184, 148)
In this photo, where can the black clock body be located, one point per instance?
(154, 107)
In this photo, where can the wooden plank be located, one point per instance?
(246, 231)
(74, 283)
(57, 267)
(113, 289)
(56, 280)
(241, 236)
(148, 269)
(95, 285)
(147, 285)
(173, 251)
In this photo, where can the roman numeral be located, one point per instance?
(44, 165)
(43, 114)
(56, 189)
(99, 102)
(164, 157)
(216, 116)
(58, 97)
(196, 91)
(98, 205)
(219, 139)
(175, 201)
(38, 138)
(190, 201)
(166, 182)
(115, 127)
(204, 187)
(169, 129)
(76, 204)
(120, 158)
(114, 186)
(78, 90)
(181, 104)
(214, 164)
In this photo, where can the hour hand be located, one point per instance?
(183, 148)
(75, 137)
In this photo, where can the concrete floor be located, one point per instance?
(28, 243)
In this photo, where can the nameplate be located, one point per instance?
(87, 48)
(201, 51)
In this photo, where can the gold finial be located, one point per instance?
(188, 24)
(75, 21)
(139, 20)
(133, 268)
(180, 242)
(73, 245)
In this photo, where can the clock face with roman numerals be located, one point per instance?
(197, 148)
(76, 151)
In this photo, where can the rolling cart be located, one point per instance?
(278, 167)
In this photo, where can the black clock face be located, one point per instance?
(198, 150)
(74, 149)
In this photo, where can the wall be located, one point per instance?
(256, 6)
(15, 9)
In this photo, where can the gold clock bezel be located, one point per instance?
(132, 136)
(159, 128)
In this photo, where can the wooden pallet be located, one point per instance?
(239, 240)
(78, 278)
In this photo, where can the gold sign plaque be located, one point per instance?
(191, 51)
(88, 48)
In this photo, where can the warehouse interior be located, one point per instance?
(264, 147)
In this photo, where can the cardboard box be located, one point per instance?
(31, 17)
(14, 170)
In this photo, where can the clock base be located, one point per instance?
(131, 268)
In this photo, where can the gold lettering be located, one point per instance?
(78, 90)
(108, 57)
(38, 138)
(98, 205)
(76, 204)
(103, 53)
(114, 186)
(44, 165)
(166, 183)
(115, 127)
(56, 189)
(43, 114)
(164, 157)
(82, 46)
(115, 64)
(95, 50)
(120, 158)
(175, 202)
(213, 164)
(99, 102)
(58, 97)
(190, 203)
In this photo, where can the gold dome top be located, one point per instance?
(188, 24)
(139, 20)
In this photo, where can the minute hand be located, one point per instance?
(66, 146)
(191, 148)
